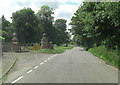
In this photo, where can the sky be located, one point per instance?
(62, 8)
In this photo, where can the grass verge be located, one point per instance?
(109, 56)
(4, 77)
(56, 50)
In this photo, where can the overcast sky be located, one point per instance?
(62, 8)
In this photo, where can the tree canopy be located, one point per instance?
(97, 23)
(62, 35)
(30, 26)
(45, 18)
(25, 23)
(7, 29)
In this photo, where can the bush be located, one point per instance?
(110, 56)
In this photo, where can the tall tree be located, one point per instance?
(46, 21)
(5, 23)
(62, 35)
(25, 23)
(96, 23)
(7, 30)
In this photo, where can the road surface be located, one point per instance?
(73, 66)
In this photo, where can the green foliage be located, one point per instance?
(60, 24)
(50, 51)
(2, 38)
(7, 30)
(66, 47)
(30, 26)
(56, 50)
(4, 78)
(109, 56)
(25, 23)
(5, 23)
(61, 34)
(45, 18)
(57, 32)
(97, 23)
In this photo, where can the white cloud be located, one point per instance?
(65, 11)
(10, 6)
(33, 6)
(62, 8)
(76, 1)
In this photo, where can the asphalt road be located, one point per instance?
(73, 66)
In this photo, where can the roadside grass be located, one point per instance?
(62, 47)
(30, 47)
(109, 56)
(4, 68)
(56, 50)
(4, 77)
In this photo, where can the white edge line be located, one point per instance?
(35, 67)
(17, 79)
(29, 71)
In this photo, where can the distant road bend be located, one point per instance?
(73, 66)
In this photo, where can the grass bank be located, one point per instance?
(109, 56)
(56, 50)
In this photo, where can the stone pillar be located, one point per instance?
(44, 41)
(15, 44)
(50, 45)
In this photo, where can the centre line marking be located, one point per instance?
(29, 71)
(48, 58)
(45, 61)
(17, 79)
(41, 63)
(35, 67)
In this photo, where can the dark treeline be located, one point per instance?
(30, 26)
(97, 23)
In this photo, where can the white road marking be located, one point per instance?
(41, 63)
(17, 79)
(35, 67)
(45, 61)
(48, 58)
(29, 71)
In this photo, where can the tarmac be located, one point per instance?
(25, 61)
(72, 66)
